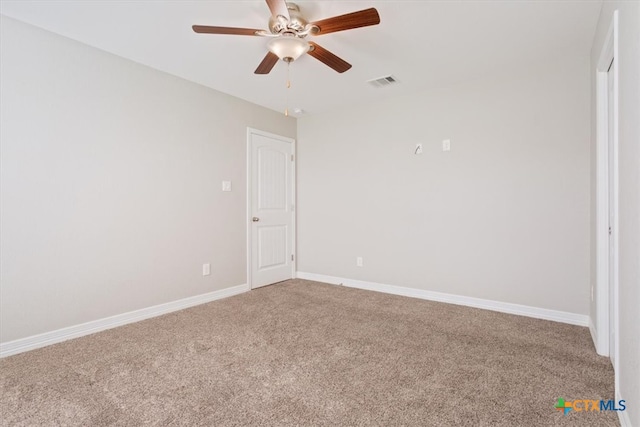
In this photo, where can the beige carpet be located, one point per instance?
(304, 353)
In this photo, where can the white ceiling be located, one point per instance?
(424, 44)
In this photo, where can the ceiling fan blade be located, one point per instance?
(328, 58)
(205, 29)
(267, 63)
(278, 7)
(363, 18)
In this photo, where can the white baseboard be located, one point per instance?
(503, 307)
(76, 331)
(594, 334)
(623, 416)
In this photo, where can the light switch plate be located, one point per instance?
(446, 145)
(226, 185)
(206, 269)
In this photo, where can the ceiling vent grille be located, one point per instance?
(383, 81)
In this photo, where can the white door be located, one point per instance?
(271, 208)
(613, 267)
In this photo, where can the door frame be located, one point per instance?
(252, 131)
(604, 286)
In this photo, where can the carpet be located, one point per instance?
(311, 354)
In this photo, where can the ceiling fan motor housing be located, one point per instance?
(295, 24)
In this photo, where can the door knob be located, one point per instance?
(255, 219)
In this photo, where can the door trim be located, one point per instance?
(609, 54)
(252, 131)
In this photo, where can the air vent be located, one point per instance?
(383, 81)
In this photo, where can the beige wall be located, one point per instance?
(111, 184)
(503, 216)
(629, 191)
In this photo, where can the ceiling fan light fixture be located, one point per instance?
(288, 48)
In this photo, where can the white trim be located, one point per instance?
(252, 131)
(76, 331)
(623, 416)
(594, 332)
(503, 307)
(294, 210)
(248, 198)
(608, 54)
(602, 222)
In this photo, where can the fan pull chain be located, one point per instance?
(286, 110)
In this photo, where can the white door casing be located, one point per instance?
(613, 202)
(607, 233)
(270, 208)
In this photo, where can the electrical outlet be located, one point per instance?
(446, 145)
(206, 269)
(359, 262)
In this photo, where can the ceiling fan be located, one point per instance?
(288, 29)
